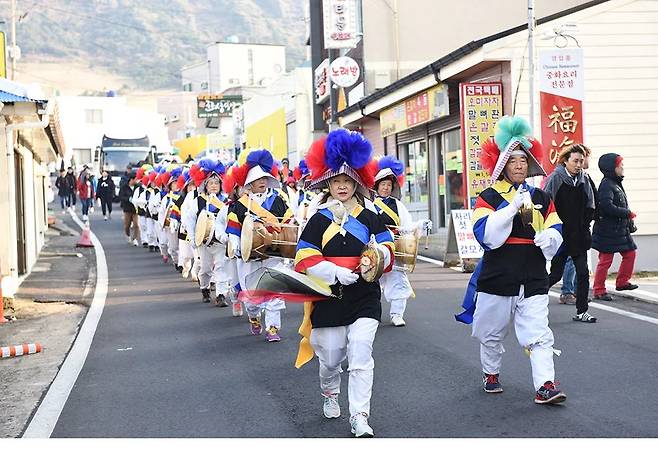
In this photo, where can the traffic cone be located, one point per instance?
(85, 239)
(20, 350)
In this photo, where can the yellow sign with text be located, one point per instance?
(414, 111)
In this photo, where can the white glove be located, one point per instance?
(235, 243)
(345, 276)
(549, 242)
(223, 238)
(517, 201)
(173, 225)
(543, 240)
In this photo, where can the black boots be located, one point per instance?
(221, 301)
(206, 295)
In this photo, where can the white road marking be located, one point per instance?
(430, 260)
(44, 420)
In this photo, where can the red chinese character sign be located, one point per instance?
(561, 101)
(481, 107)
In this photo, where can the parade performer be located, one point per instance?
(162, 181)
(151, 208)
(264, 203)
(388, 189)
(172, 215)
(519, 230)
(140, 201)
(208, 174)
(186, 254)
(301, 198)
(330, 249)
(232, 190)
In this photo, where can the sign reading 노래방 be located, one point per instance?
(561, 101)
(481, 108)
(414, 111)
(217, 105)
(340, 24)
(344, 71)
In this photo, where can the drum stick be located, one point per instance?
(427, 243)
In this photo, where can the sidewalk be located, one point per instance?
(49, 306)
(647, 292)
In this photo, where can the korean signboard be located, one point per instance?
(561, 101)
(322, 82)
(421, 108)
(467, 246)
(340, 24)
(344, 71)
(217, 105)
(481, 108)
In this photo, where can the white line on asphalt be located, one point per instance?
(607, 308)
(44, 421)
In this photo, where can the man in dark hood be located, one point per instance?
(613, 228)
(573, 196)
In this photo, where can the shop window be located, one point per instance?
(454, 169)
(416, 163)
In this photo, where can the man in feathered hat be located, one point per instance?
(330, 248)
(519, 230)
(388, 191)
(208, 175)
(300, 196)
(263, 202)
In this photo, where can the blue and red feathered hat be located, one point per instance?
(342, 152)
(205, 168)
(258, 164)
(301, 171)
(390, 167)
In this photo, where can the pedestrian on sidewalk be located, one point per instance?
(130, 217)
(613, 228)
(519, 230)
(105, 192)
(86, 192)
(73, 185)
(63, 190)
(574, 201)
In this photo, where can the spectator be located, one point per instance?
(63, 190)
(574, 201)
(86, 192)
(126, 177)
(130, 217)
(568, 291)
(73, 184)
(613, 228)
(105, 192)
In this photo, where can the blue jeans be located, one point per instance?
(65, 201)
(86, 204)
(569, 278)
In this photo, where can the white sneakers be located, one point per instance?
(135, 242)
(360, 427)
(104, 217)
(331, 408)
(397, 321)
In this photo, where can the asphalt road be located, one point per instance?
(164, 364)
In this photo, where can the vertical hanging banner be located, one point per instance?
(341, 25)
(561, 101)
(481, 107)
(3, 56)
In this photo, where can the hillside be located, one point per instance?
(147, 41)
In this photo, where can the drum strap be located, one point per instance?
(259, 210)
(389, 212)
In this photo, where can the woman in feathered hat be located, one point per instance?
(140, 200)
(161, 184)
(257, 177)
(152, 193)
(186, 255)
(330, 248)
(300, 196)
(519, 230)
(208, 174)
(172, 212)
(388, 190)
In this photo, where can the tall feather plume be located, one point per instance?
(240, 174)
(392, 163)
(315, 158)
(262, 158)
(509, 128)
(537, 150)
(228, 184)
(343, 146)
(368, 172)
(489, 155)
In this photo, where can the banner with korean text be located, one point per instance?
(561, 101)
(481, 107)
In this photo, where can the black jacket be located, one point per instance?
(125, 194)
(72, 181)
(105, 188)
(575, 209)
(63, 186)
(612, 227)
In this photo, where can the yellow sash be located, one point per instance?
(389, 212)
(305, 352)
(260, 211)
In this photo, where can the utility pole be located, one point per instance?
(531, 59)
(13, 40)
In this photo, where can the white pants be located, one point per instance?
(272, 307)
(397, 289)
(172, 244)
(151, 230)
(212, 267)
(185, 253)
(162, 239)
(143, 225)
(491, 324)
(354, 342)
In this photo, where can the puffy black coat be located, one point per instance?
(105, 188)
(612, 227)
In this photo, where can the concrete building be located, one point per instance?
(86, 119)
(620, 93)
(30, 140)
